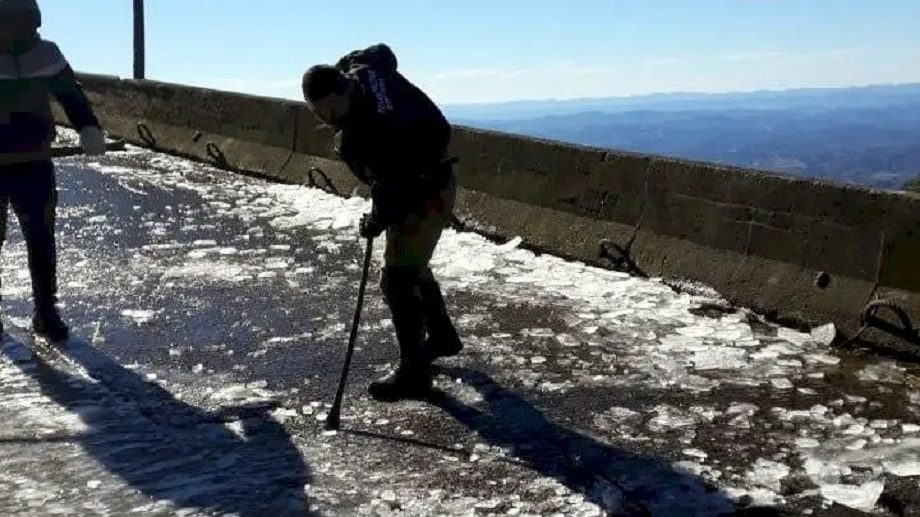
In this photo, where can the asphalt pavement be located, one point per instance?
(210, 314)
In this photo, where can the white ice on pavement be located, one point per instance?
(649, 328)
(609, 331)
(685, 351)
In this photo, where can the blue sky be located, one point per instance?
(499, 50)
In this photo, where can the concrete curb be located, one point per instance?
(760, 239)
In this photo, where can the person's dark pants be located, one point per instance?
(31, 190)
(407, 282)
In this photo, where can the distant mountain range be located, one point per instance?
(869, 135)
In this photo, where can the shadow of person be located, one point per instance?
(619, 481)
(239, 461)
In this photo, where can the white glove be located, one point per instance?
(92, 140)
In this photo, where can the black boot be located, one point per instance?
(409, 381)
(47, 323)
(443, 340)
(412, 379)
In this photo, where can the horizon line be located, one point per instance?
(676, 93)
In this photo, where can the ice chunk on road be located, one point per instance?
(742, 408)
(696, 331)
(888, 372)
(567, 340)
(903, 469)
(781, 383)
(807, 443)
(827, 359)
(860, 497)
(719, 358)
(139, 316)
(768, 474)
(696, 453)
(793, 336)
(824, 334)
(669, 417)
(857, 445)
(511, 245)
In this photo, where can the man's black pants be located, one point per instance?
(31, 190)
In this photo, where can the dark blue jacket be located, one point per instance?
(394, 137)
(27, 80)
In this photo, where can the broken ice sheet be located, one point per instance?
(825, 359)
(537, 332)
(755, 496)
(767, 474)
(701, 330)
(567, 340)
(282, 415)
(139, 316)
(620, 420)
(719, 358)
(669, 417)
(781, 383)
(903, 469)
(887, 372)
(860, 497)
(742, 409)
(807, 443)
(824, 334)
(696, 453)
(792, 336)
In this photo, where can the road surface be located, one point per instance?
(210, 315)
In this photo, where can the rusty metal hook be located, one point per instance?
(905, 331)
(620, 258)
(868, 319)
(146, 135)
(215, 154)
(328, 187)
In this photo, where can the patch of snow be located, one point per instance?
(767, 474)
(824, 334)
(139, 316)
(860, 497)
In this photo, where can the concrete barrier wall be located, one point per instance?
(761, 239)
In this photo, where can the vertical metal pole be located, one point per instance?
(139, 50)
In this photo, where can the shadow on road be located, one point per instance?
(621, 482)
(167, 449)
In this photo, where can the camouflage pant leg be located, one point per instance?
(412, 243)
